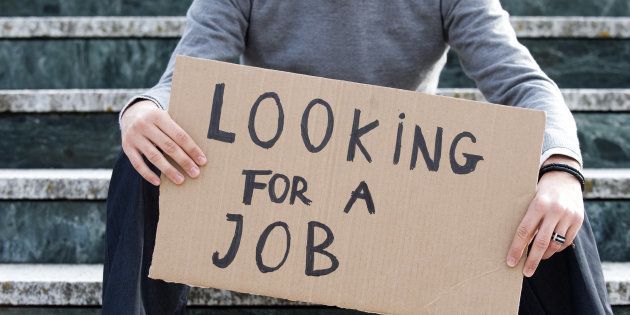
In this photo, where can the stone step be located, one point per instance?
(78, 230)
(112, 100)
(571, 27)
(604, 139)
(105, 8)
(92, 184)
(77, 184)
(578, 100)
(607, 183)
(76, 285)
(107, 63)
(173, 26)
(617, 277)
(169, 7)
(571, 63)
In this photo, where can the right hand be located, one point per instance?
(146, 130)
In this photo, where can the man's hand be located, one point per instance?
(557, 207)
(146, 130)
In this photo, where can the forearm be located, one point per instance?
(505, 72)
(214, 30)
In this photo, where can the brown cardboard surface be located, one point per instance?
(436, 242)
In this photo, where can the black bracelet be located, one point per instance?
(562, 168)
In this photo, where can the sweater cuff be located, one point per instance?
(136, 99)
(561, 151)
(563, 143)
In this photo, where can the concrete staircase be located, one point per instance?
(60, 139)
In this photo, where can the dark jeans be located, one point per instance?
(571, 282)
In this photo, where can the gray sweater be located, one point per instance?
(394, 43)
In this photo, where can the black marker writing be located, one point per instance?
(236, 241)
(214, 131)
(471, 159)
(433, 164)
(329, 126)
(356, 134)
(260, 246)
(252, 118)
(398, 145)
(298, 184)
(311, 249)
(361, 192)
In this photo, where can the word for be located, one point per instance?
(298, 187)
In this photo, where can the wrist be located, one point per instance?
(135, 110)
(139, 105)
(562, 170)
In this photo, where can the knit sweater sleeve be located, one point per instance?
(214, 30)
(479, 31)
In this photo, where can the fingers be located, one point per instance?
(540, 244)
(524, 234)
(157, 158)
(168, 146)
(567, 227)
(557, 207)
(554, 247)
(571, 234)
(138, 163)
(182, 139)
(152, 127)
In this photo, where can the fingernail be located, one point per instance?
(179, 179)
(194, 171)
(201, 160)
(155, 182)
(511, 261)
(528, 272)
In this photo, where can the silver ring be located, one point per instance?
(558, 238)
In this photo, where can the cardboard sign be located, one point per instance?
(346, 194)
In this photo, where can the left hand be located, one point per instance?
(557, 207)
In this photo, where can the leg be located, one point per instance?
(570, 282)
(132, 215)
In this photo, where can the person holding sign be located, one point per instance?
(399, 44)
